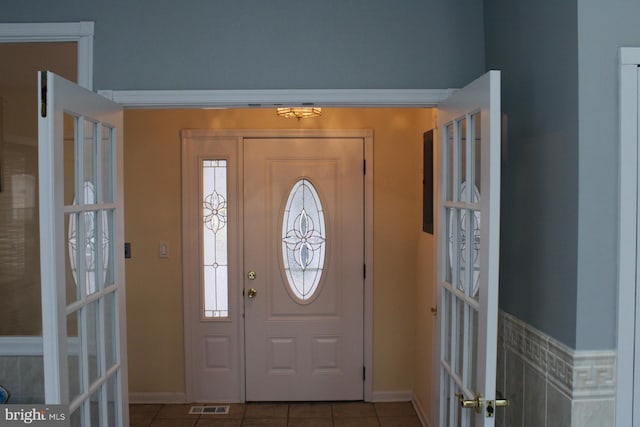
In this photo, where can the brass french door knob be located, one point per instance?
(251, 293)
(470, 404)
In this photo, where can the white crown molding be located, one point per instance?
(629, 55)
(278, 97)
(48, 31)
(577, 373)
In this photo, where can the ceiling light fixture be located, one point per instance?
(299, 112)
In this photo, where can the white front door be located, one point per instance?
(81, 252)
(304, 260)
(468, 257)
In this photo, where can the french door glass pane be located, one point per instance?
(110, 336)
(450, 231)
(459, 333)
(93, 357)
(69, 155)
(73, 355)
(449, 162)
(90, 251)
(89, 147)
(107, 162)
(446, 336)
(471, 348)
(76, 417)
(95, 407)
(71, 231)
(477, 152)
(462, 133)
(112, 399)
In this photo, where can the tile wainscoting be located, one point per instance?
(23, 377)
(549, 384)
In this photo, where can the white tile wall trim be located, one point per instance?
(578, 374)
(29, 346)
(20, 346)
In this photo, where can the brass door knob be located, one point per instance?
(476, 403)
(251, 293)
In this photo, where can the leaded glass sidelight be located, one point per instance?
(215, 238)
(304, 238)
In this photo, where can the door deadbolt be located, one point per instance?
(251, 275)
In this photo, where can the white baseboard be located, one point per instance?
(157, 398)
(420, 412)
(393, 396)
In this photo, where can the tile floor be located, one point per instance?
(321, 414)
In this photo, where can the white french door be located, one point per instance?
(468, 257)
(81, 250)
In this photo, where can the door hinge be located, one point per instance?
(364, 166)
(364, 271)
(43, 93)
(364, 373)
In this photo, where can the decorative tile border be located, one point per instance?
(578, 374)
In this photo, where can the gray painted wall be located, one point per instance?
(535, 44)
(603, 27)
(257, 44)
(560, 163)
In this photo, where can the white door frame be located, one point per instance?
(79, 32)
(628, 377)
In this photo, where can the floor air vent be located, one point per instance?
(213, 409)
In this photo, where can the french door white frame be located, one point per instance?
(628, 358)
(79, 32)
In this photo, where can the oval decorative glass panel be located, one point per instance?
(304, 238)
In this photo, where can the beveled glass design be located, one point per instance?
(304, 239)
(215, 237)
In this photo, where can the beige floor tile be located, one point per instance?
(143, 411)
(353, 409)
(395, 409)
(173, 422)
(212, 422)
(265, 422)
(310, 422)
(236, 411)
(400, 422)
(260, 410)
(310, 410)
(176, 411)
(356, 422)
